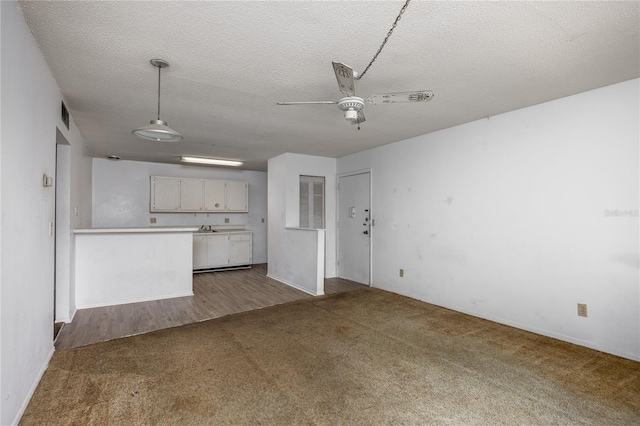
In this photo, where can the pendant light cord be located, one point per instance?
(159, 69)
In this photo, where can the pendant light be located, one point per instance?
(158, 130)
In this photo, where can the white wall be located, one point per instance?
(63, 241)
(30, 113)
(80, 205)
(150, 266)
(284, 212)
(121, 198)
(505, 218)
(73, 211)
(309, 165)
(277, 209)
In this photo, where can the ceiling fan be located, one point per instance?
(353, 105)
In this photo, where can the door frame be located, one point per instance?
(62, 222)
(368, 171)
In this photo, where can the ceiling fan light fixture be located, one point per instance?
(211, 161)
(158, 130)
(351, 105)
(351, 114)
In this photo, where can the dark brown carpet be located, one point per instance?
(363, 357)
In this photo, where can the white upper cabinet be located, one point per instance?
(170, 194)
(214, 195)
(237, 196)
(191, 194)
(165, 194)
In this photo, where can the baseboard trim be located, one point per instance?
(135, 300)
(290, 284)
(33, 387)
(532, 329)
(221, 268)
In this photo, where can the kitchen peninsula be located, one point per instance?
(126, 265)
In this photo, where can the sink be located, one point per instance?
(206, 231)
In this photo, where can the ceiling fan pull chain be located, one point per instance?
(395, 23)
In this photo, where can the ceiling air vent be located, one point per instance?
(65, 115)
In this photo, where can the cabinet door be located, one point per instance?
(165, 194)
(218, 250)
(214, 194)
(200, 257)
(237, 196)
(240, 249)
(191, 195)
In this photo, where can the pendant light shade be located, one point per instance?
(157, 130)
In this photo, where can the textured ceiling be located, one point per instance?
(230, 62)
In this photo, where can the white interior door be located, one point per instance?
(354, 231)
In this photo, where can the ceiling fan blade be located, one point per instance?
(308, 103)
(344, 75)
(359, 119)
(390, 98)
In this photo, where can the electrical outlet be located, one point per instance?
(226, 220)
(153, 220)
(401, 273)
(263, 220)
(582, 309)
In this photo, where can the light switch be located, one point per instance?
(47, 181)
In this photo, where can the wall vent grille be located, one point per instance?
(65, 115)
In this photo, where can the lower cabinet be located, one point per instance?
(240, 249)
(222, 250)
(200, 251)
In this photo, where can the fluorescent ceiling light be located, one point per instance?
(213, 161)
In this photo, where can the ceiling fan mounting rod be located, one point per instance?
(393, 27)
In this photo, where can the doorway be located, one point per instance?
(62, 234)
(354, 227)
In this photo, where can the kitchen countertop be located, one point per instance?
(225, 231)
(156, 229)
(221, 229)
(159, 229)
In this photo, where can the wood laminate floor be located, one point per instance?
(215, 294)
